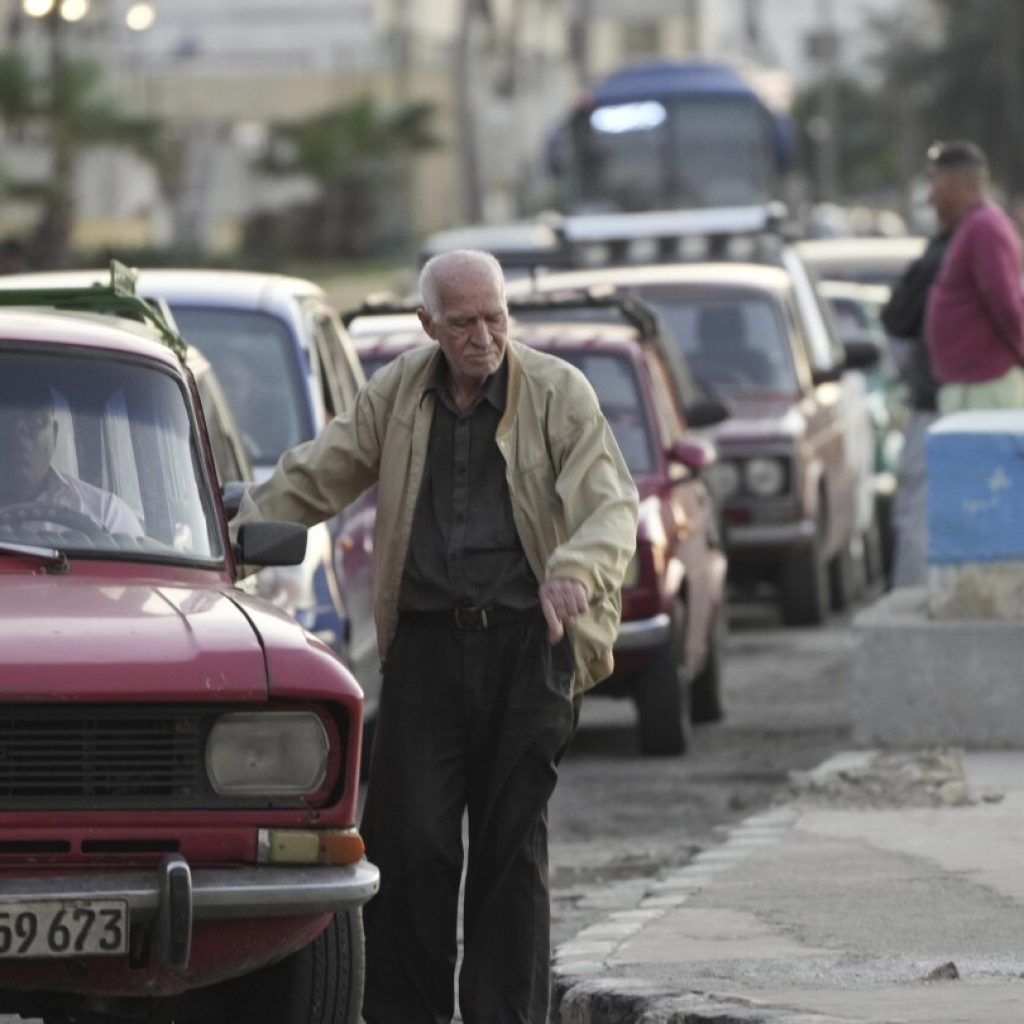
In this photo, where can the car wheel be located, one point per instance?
(706, 686)
(662, 696)
(804, 586)
(319, 984)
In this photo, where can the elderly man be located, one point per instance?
(30, 487)
(506, 518)
(974, 324)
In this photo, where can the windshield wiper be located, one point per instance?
(54, 560)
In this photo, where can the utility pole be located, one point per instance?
(1010, 87)
(472, 179)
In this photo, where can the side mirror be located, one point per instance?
(828, 374)
(706, 411)
(861, 352)
(270, 544)
(231, 495)
(694, 453)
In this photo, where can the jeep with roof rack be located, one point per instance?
(179, 760)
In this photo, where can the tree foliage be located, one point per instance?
(945, 69)
(359, 155)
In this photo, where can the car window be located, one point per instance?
(338, 359)
(734, 342)
(101, 457)
(229, 456)
(666, 409)
(257, 364)
(618, 390)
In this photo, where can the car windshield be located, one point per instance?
(257, 365)
(100, 457)
(614, 379)
(734, 343)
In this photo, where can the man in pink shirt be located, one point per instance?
(974, 324)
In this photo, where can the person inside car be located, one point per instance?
(31, 488)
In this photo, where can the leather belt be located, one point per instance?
(473, 619)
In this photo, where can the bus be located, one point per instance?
(674, 135)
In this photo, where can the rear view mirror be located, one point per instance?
(271, 544)
(862, 352)
(706, 411)
(231, 495)
(693, 452)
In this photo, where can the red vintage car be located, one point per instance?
(669, 653)
(178, 759)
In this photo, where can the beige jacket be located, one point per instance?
(573, 500)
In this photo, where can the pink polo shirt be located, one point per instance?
(974, 322)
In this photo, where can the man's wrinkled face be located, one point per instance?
(472, 326)
(28, 436)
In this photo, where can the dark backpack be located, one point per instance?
(903, 314)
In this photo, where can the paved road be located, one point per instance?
(619, 820)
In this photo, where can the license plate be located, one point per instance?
(58, 928)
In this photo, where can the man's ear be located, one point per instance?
(426, 321)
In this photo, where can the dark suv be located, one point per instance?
(178, 759)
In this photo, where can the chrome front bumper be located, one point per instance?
(770, 535)
(173, 896)
(643, 634)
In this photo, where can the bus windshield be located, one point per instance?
(682, 151)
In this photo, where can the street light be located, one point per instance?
(140, 17)
(37, 8)
(74, 10)
(69, 10)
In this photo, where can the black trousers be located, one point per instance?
(468, 721)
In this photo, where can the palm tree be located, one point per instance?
(356, 153)
(74, 114)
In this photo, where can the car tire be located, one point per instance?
(662, 696)
(804, 586)
(322, 983)
(706, 686)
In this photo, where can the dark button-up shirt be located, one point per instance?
(464, 548)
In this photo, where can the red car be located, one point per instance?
(671, 642)
(178, 759)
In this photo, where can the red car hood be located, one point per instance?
(83, 639)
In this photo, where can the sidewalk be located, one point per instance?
(885, 888)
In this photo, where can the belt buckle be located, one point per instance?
(471, 618)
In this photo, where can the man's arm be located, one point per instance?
(600, 504)
(317, 479)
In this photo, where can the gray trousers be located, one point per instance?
(468, 722)
(910, 507)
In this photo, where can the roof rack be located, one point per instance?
(634, 311)
(119, 298)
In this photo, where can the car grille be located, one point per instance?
(95, 756)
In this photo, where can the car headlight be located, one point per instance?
(724, 477)
(765, 477)
(272, 752)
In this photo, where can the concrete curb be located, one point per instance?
(589, 990)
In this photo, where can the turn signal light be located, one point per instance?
(300, 846)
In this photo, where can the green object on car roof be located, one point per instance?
(118, 298)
